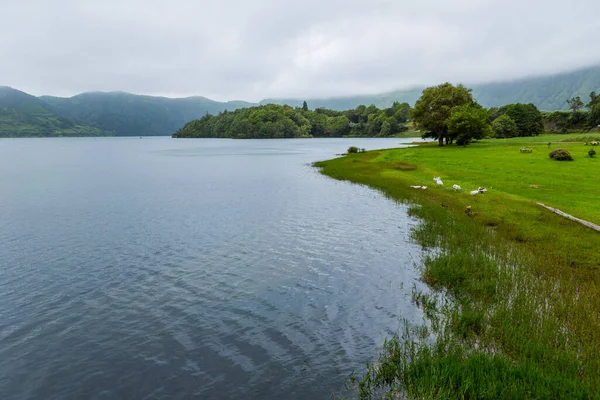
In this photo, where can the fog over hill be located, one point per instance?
(125, 114)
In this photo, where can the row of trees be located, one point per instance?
(448, 113)
(578, 118)
(277, 121)
(445, 112)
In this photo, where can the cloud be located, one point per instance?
(268, 48)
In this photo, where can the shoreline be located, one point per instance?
(524, 281)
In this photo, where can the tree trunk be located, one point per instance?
(441, 141)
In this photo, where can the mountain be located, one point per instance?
(23, 115)
(548, 93)
(125, 114)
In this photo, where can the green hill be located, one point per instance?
(126, 114)
(548, 93)
(23, 115)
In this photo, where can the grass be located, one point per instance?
(524, 320)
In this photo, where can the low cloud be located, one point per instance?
(266, 48)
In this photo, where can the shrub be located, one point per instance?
(561, 155)
(352, 149)
(592, 153)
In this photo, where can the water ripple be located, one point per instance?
(159, 272)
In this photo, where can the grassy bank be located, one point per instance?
(524, 320)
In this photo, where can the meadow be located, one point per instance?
(514, 310)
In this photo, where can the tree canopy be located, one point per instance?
(594, 107)
(469, 122)
(505, 127)
(527, 117)
(434, 107)
(277, 121)
(575, 104)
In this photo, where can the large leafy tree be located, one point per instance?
(434, 107)
(468, 122)
(528, 118)
(401, 111)
(505, 127)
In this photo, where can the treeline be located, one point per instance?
(514, 120)
(282, 121)
(582, 116)
(449, 113)
(445, 112)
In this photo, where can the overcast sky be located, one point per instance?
(253, 49)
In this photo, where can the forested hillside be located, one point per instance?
(548, 93)
(23, 115)
(125, 114)
(383, 100)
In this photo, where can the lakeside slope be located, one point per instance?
(524, 321)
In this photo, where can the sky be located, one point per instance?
(256, 49)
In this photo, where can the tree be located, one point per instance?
(304, 106)
(469, 122)
(386, 129)
(575, 104)
(340, 125)
(401, 111)
(594, 107)
(528, 118)
(495, 112)
(505, 127)
(434, 107)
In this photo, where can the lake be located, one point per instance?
(161, 268)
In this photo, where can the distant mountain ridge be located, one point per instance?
(24, 115)
(382, 100)
(548, 93)
(125, 114)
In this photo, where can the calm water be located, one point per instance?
(162, 268)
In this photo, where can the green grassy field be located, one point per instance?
(524, 320)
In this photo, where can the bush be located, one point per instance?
(354, 149)
(561, 155)
(592, 153)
